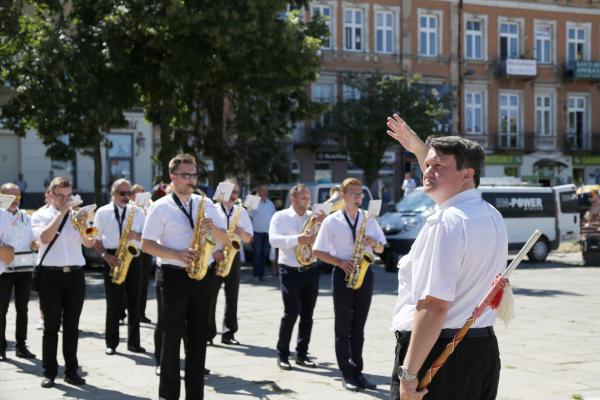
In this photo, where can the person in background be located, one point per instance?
(409, 184)
(261, 219)
(146, 260)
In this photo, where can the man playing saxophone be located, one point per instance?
(299, 289)
(170, 224)
(336, 244)
(239, 228)
(119, 225)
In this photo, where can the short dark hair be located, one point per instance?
(466, 152)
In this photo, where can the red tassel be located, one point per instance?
(497, 299)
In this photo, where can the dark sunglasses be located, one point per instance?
(125, 193)
(186, 175)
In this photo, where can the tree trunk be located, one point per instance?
(167, 150)
(215, 139)
(97, 155)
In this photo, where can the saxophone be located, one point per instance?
(200, 243)
(304, 254)
(361, 260)
(232, 247)
(126, 251)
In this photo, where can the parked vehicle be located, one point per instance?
(554, 210)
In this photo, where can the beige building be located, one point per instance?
(524, 75)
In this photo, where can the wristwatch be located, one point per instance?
(404, 375)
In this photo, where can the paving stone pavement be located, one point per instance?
(550, 351)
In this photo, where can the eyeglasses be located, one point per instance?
(186, 175)
(124, 193)
(61, 196)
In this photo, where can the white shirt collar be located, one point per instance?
(293, 213)
(466, 195)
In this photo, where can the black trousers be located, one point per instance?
(146, 261)
(232, 288)
(299, 291)
(351, 309)
(21, 282)
(185, 306)
(115, 296)
(158, 329)
(61, 299)
(472, 371)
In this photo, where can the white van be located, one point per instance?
(524, 208)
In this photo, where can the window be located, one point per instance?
(577, 135)
(509, 40)
(509, 120)
(474, 112)
(326, 13)
(576, 44)
(353, 25)
(323, 93)
(351, 93)
(384, 25)
(543, 43)
(120, 156)
(474, 40)
(543, 115)
(428, 35)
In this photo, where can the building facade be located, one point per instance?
(524, 76)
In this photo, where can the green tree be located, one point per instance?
(357, 122)
(68, 85)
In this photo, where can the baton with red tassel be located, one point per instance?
(492, 299)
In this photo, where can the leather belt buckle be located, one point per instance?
(66, 269)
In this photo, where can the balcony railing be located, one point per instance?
(510, 141)
(545, 143)
(578, 141)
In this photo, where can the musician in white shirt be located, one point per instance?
(111, 221)
(17, 274)
(335, 245)
(167, 235)
(62, 281)
(244, 231)
(299, 289)
(449, 269)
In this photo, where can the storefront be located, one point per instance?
(586, 169)
(501, 165)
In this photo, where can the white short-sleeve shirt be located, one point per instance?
(107, 224)
(7, 237)
(24, 256)
(455, 258)
(335, 235)
(167, 225)
(286, 225)
(66, 251)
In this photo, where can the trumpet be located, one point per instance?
(86, 231)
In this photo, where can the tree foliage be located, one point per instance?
(358, 121)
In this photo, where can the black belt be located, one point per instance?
(178, 268)
(70, 268)
(448, 333)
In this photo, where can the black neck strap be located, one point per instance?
(227, 214)
(121, 218)
(187, 213)
(351, 225)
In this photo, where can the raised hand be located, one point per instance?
(403, 134)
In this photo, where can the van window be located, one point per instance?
(366, 200)
(322, 195)
(522, 205)
(568, 202)
(415, 202)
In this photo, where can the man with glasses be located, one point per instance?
(17, 274)
(334, 245)
(62, 282)
(111, 221)
(185, 302)
(227, 210)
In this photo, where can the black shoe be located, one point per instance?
(23, 352)
(74, 379)
(47, 383)
(136, 349)
(230, 341)
(206, 371)
(2, 355)
(145, 319)
(109, 351)
(284, 364)
(364, 383)
(350, 384)
(305, 362)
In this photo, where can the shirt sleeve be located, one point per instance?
(276, 236)
(436, 270)
(7, 236)
(99, 223)
(38, 224)
(245, 222)
(324, 237)
(376, 232)
(154, 224)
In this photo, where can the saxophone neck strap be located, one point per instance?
(120, 218)
(183, 209)
(352, 225)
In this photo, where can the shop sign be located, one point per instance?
(521, 67)
(331, 156)
(503, 159)
(583, 161)
(587, 70)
